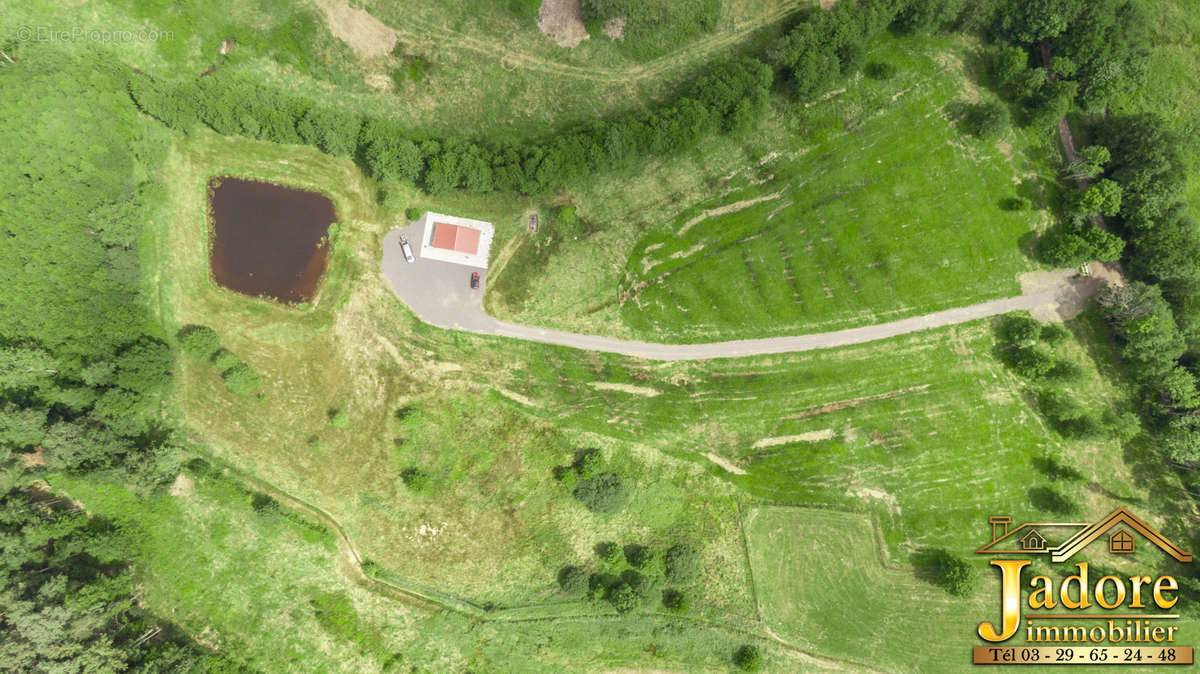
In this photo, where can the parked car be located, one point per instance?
(474, 280)
(406, 249)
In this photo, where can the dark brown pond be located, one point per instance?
(268, 239)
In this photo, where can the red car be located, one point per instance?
(474, 280)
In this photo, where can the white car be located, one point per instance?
(407, 250)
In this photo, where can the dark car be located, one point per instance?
(474, 280)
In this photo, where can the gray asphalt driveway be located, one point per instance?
(440, 294)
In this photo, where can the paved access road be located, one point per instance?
(440, 294)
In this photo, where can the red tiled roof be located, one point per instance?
(453, 237)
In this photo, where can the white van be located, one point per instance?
(407, 250)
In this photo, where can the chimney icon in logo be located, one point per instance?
(999, 527)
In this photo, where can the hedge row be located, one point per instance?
(728, 97)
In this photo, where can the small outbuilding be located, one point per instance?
(449, 238)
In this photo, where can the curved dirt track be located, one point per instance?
(439, 294)
(415, 30)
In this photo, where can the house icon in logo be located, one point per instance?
(1119, 527)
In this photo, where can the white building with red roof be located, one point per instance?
(453, 239)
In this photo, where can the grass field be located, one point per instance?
(927, 432)
(1170, 90)
(875, 207)
(267, 586)
(845, 600)
(866, 207)
(494, 526)
(868, 612)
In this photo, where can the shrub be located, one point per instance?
(566, 475)
(748, 658)
(339, 419)
(241, 380)
(1055, 334)
(1019, 329)
(416, 70)
(412, 213)
(1031, 361)
(415, 479)
(599, 584)
(589, 463)
(957, 576)
(199, 341)
(1016, 204)
(223, 360)
(606, 493)
(1064, 370)
(610, 553)
(573, 581)
(880, 70)
(987, 120)
(641, 557)
(676, 602)
(263, 503)
(682, 564)
(644, 588)
(623, 597)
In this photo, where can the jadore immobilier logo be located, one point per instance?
(1075, 614)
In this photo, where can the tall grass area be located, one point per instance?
(186, 36)
(928, 433)
(870, 206)
(491, 523)
(267, 587)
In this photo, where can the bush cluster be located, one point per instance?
(1032, 350)
(602, 491)
(635, 576)
(202, 342)
(748, 658)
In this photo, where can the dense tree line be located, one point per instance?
(1097, 53)
(67, 594)
(727, 97)
(1157, 317)
(829, 45)
(82, 370)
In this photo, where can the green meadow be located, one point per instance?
(869, 206)
(810, 483)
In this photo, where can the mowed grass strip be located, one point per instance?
(822, 584)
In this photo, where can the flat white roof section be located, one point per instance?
(449, 238)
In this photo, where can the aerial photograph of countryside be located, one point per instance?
(615, 336)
